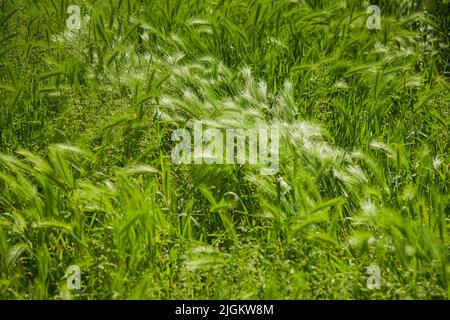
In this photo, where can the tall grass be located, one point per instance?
(86, 176)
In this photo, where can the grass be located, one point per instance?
(86, 176)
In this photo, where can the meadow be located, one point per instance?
(359, 206)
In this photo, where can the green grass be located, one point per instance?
(86, 176)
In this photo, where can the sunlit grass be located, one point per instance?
(86, 176)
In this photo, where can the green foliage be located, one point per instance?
(86, 176)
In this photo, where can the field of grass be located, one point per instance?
(87, 178)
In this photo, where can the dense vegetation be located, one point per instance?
(86, 176)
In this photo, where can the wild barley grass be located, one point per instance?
(86, 176)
